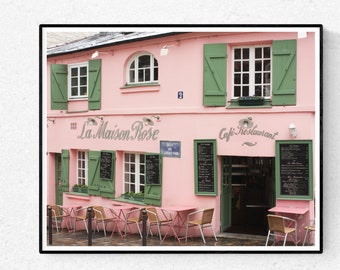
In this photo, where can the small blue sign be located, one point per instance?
(170, 149)
(180, 95)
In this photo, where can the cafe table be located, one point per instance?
(119, 211)
(179, 219)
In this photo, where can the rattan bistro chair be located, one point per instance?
(101, 215)
(81, 215)
(310, 229)
(58, 216)
(280, 226)
(134, 216)
(164, 218)
(204, 221)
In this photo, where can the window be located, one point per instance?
(74, 82)
(134, 172)
(78, 82)
(252, 71)
(143, 68)
(82, 167)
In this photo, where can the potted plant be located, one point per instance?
(251, 101)
(134, 196)
(80, 188)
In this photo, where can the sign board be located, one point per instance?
(170, 149)
(153, 169)
(106, 165)
(294, 170)
(205, 167)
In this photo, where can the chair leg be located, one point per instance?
(284, 242)
(213, 232)
(202, 233)
(159, 232)
(268, 235)
(304, 239)
(186, 233)
(140, 233)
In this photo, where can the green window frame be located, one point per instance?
(205, 160)
(294, 170)
(283, 75)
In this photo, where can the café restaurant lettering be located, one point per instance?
(226, 134)
(137, 131)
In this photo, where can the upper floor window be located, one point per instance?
(78, 82)
(143, 68)
(252, 71)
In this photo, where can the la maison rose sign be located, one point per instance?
(137, 131)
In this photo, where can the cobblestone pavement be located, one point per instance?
(80, 238)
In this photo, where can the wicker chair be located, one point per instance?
(309, 230)
(164, 218)
(204, 221)
(278, 227)
(101, 216)
(134, 216)
(58, 216)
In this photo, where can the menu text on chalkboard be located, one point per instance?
(294, 174)
(152, 172)
(106, 165)
(205, 167)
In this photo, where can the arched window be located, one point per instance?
(142, 68)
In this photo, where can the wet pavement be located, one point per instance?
(80, 238)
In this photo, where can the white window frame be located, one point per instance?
(138, 174)
(135, 79)
(69, 79)
(252, 71)
(82, 167)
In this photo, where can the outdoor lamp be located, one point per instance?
(96, 54)
(164, 51)
(292, 130)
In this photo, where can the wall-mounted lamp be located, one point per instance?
(51, 120)
(165, 50)
(92, 121)
(148, 121)
(246, 122)
(292, 130)
(96, 54)
(100, 117)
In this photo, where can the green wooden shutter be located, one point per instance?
(65, 157)
(107, 186)
(214, 75)
(153, 192)
(58, 87)
(93, 171)
(94, 84)
(284, 72)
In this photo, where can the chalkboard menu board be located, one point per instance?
(106, 165)
(205, 167)
(153, 173)
(294, 169)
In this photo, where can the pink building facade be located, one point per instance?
(195, 119)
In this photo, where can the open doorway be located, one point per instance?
(250, 192)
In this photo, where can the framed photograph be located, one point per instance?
(180, 138)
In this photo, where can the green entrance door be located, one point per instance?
(226, 194)
(58, 180)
